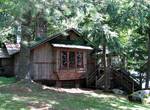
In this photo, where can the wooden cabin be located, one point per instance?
(7, 59)
(65, 59)
(62, 60)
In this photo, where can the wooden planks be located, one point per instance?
(42, 62)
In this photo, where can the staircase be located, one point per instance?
(119, 79)
(91, 79)
(125, 80)
(96, 79)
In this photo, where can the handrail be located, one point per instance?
(135, 79)
(99, 80)
(124, 76)
(127, 80)
(92, 74)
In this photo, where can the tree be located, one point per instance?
(97, 19)
(102, 36)
(139, 14)
(24, 13)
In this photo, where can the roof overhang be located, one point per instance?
(72, 46)
(51, 37)
(3, 54)
(12, 48)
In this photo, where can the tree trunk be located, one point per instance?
(148, 64)
(140, 79)
(24, 54)
(24, 61)
(123, 62)
(105, 68)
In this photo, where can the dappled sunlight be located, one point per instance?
(1, 82)
(41, 108)
(22, 96)
(123, 107)
(123, 104)
(90, 93)
(36, 105)
(139, 107)
(22, 102)
(19, 98)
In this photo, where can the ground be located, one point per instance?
(25, 96)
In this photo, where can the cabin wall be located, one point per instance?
(16, 63)
(91, 63)
(42, 63)
(6, 67)
(56, 56)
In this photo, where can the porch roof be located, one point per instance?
(72, 46)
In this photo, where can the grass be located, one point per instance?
(24, 96)
(6, 81)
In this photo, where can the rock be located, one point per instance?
(146, 100)
(140, 96)
(117, 91)
(134, 99)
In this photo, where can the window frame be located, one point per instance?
(68, 60)
(82, 59)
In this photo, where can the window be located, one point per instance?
(79, 59)
(64, 59)
(71, 59)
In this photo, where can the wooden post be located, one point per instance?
(58, 83)
(77, 84)
(96, 81)
(68, 60)
(140, 79)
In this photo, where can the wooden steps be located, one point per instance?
(126, 81)
(118, 78)
(91, 79)
(100, 82)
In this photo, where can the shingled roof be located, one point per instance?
(34, 44)
(15, 48)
